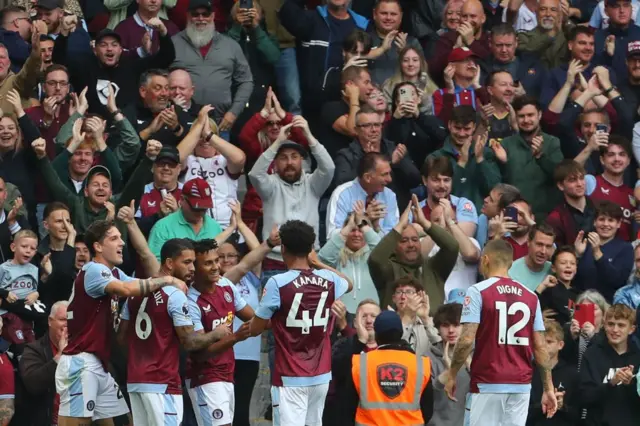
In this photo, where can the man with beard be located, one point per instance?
(500, 120)
(475, 169)
(290, 192)
(369, 187)
(95, 202)
(399, 254)
(515, 231)
(581, 48)
(630, 86)
(162, 326)
(190, 220)
(156, 117)
(547, 41)
(214, 302)
(138, 37)
(96, 70)
(462, 81)
(530, 157)
(611, 42)
(534, 268)
(525, 68)
(469, 34)
(216, 63)
(438, 177)
(369, 139)
(576, 212)
(615, 157)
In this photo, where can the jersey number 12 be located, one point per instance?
(306, 323)
(507, 335)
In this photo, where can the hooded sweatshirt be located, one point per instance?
(445, 411)
(609, 405)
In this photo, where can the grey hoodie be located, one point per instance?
(445, 411)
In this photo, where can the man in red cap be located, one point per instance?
(462, 81)
(190, 220)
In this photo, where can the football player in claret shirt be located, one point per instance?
(87, 391)
(504, 321)
(298, 303)
(154, 327)
(214, 301)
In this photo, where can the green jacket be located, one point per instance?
(552, 51)
(475, 180)
(534, 177)
(266, 44)
(81, 214)
(61, 166)
(124, 141)
(432, 272)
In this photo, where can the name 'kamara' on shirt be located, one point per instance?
(310, 279)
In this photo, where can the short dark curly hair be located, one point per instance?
(204, 246)
(297, 238)
(96, 233)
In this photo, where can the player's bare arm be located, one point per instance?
(224, 343)
(196, 341)
(541, 356)
(6, 411)
(258, 325)
(463, 348)
(143, 287)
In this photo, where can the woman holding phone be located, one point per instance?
(583, 331)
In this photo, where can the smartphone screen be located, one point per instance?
(601, 128)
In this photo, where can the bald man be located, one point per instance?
(469, 34)
(182, 90)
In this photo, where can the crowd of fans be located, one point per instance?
(406, 134)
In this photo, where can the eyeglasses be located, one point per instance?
(228, 256)
(201, 14)
(405, 292)
(273, 123)
(15, 21)
(54, 83)
(370, 125)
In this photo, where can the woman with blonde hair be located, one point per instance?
(412, 67)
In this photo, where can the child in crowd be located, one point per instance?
(556, 292)
(19, 283)
(565, 381)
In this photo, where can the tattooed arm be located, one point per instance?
(463, 348)
(195, 341)
(541, 357)
(142, 287)
(6, 411)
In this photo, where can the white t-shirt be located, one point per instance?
(224, 187)
(526, 20)
(463, 274)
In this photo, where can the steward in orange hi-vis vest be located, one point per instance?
(392, 382)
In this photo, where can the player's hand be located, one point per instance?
(450, 387)
(243, 333)
(32, 298)
(549, 403)
(340, 311)
(221, 331)
(11, 297)
(178, 283)
(560, 398)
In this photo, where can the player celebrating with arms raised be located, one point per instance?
(87, 391)
(502, 317)
(298, 303)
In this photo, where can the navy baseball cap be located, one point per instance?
(292, 145)
(387, 321)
